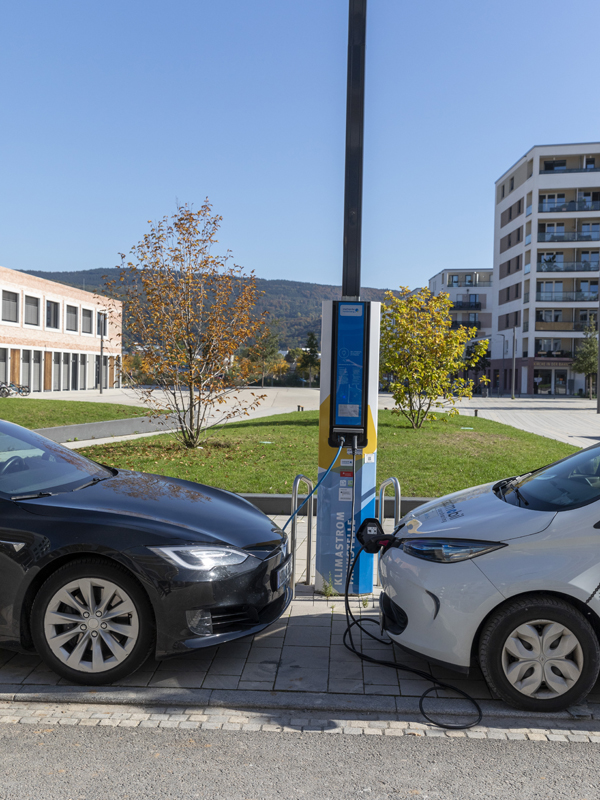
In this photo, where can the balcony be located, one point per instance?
(562, 170)
(559, 326)
(565, 297)
(527, 238)
(547, 206)
(528, 210)
(568, 266)
(466, 306)
(569, 236)
(470, 284)
(526, 326)
(526, 297)
(554, 354)
(456, 324)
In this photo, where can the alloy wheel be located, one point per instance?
(542, 659)
(91, 624)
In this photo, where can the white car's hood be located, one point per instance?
(475, 513)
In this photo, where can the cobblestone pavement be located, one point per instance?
(285, 721)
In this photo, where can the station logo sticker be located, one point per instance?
(351, 310)
(345, 495)
(344, 474)
(369, 458)
(346, 462)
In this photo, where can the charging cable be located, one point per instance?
(349, 643)
(319, 482)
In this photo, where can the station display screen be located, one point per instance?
(349, 373)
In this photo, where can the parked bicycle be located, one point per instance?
(8, 389)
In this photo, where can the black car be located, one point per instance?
(101, 567)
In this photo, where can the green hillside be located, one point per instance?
(295, 304)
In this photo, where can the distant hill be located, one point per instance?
(295, 304)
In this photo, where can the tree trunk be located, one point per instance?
(310, 377)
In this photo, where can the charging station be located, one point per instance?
(348, 414)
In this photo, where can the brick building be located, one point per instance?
(51, 335)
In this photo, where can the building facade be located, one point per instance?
(546, 267)
(471, 295)
(51, 335)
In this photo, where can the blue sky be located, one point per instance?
(112, 112)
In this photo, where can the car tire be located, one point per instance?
(539, 654)
(92, 623)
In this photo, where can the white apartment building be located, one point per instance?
(51, 335)
(546, 266)
(471, 294)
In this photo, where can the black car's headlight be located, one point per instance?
(200, 557)
(447, 551)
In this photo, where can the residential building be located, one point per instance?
(51, 335)
(546, 266)
(471, 294)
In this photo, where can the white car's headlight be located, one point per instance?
(201, 557)
(447, 551)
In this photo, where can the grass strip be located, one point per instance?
(264, 455)
(33, 413)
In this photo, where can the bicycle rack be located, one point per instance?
(397, 509)
(309, 485)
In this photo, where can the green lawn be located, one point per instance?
(264, 455)
(33, 413)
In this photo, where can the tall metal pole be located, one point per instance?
(355, 113)
(512, 394)
(598, 373)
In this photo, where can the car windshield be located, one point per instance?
(566, 484)
(31, 464)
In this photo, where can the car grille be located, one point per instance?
(395, 617)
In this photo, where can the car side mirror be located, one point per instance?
(372, 536)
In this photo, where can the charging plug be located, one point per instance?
(372, 536)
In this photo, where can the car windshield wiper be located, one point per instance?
(519, 496)
(33, 496)
(92, 482)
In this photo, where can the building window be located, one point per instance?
(555, 166)
(71, 318)
(32, 310)
(87, 321)
(590, 163)
(52, 314)
(3, 364)
(512, 184)
(102, 323)
(10, 306)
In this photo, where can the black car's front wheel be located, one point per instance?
(92, 623)
(540, 654)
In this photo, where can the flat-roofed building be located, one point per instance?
(546, 266)
(471, 293)
(51, 335)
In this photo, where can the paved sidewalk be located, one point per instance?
(572, 420)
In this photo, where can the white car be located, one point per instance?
(507, 576)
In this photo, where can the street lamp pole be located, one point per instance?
(513, 363)
(503, 349)
(102, 317)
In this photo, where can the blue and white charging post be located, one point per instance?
(349, 367)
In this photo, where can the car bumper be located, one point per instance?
(240, 601)
(441, 606)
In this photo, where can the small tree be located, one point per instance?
(424, 355)
(586, 356)
(309, 362)
(188, 312)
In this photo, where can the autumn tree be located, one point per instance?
(586, 356)
(309, 362)
(189, 310)
(423, 355)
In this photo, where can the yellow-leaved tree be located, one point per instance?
(422, 354)
(186, 311)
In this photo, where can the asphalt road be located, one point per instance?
(62, 763)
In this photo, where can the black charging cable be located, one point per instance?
(437, 684)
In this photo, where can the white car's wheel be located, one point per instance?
(539, 653)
